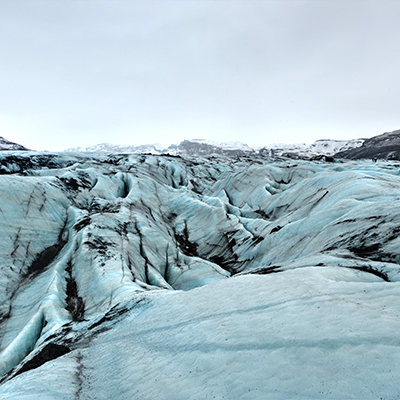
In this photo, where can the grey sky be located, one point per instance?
(131, 72)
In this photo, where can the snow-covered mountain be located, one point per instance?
(385, 146)
(10, 146)
(327, 147)
(163, 277)
(186, 148)
(122, 149)
(202, 147)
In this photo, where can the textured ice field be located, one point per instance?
(161, 277)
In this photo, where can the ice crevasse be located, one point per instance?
(142, 276)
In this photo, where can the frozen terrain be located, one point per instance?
(161, 277)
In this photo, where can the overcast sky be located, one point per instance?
(133, 72)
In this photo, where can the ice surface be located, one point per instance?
(316, 332)
(168, 277)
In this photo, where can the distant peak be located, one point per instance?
(205, 147)
(6, 145)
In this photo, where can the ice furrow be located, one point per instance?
(83, 235)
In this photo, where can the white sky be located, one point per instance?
(133, 72)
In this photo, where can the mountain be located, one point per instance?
(162, 277)
(201, 147)
(327, 147)
(7, 145)
(113, 148)
(385, 146)
(185, 148)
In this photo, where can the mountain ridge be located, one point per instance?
(6, 145)
(202, 147)
(384, 146)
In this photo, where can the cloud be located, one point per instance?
(101, 68)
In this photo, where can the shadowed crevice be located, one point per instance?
(43, 259)
(185, 245)
(375, 272)
(75, 304)
(50, 352)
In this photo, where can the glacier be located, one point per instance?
(157, 276)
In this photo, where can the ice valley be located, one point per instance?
(162, 277)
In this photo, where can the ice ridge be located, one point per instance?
(160, 276)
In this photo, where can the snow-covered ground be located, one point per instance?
(143, 276)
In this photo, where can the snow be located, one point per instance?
(328, 147)
(331, 147)
(203, 147)
(158, 148)
(155, 148)
(233, 145)
(197, 277)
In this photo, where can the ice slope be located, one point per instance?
(139, 276)
(307, 333)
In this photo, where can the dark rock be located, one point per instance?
(6, 145)
(385, 146)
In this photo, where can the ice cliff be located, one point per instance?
(145, 276)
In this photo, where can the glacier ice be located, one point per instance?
(169, 277)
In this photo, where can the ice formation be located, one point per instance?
(145, 276)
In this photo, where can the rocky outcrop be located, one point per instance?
(10, 146)
(385, 146)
